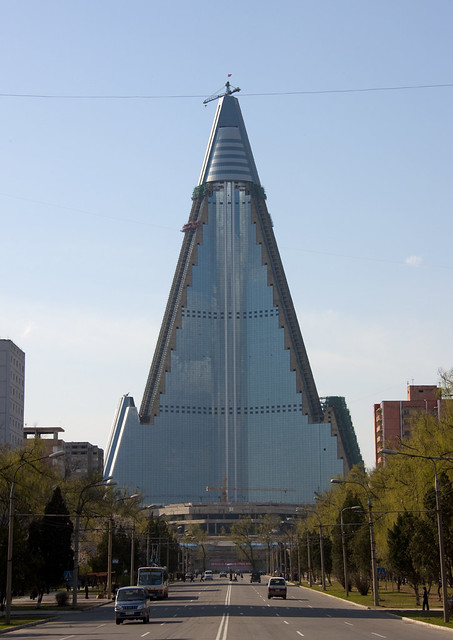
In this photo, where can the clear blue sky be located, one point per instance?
(94, 191)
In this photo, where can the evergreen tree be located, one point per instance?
(402, 553)
(50, 543)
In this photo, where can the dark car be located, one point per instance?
(132, 603)
(255, 577)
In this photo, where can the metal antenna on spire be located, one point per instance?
(228, 92)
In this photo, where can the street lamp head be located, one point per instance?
(336, 481)
(56, 454)
(389, 452)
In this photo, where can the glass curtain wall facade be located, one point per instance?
(230, 402)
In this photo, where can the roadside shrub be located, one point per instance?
(62, 598)
(362, 584)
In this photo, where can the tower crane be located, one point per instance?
(225, 490)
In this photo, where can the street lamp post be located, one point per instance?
(9, 557)
(310, 571)
(80, 504)
(110, 543)
(343, 545)
(132, 552)
(321, 547)
(443, 572)
(109, 558)
(372, 542)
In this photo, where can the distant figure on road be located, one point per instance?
(425, 599)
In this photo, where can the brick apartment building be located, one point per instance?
(394, 419)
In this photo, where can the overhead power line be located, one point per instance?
(244, 94)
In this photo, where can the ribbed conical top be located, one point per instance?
(229, 155)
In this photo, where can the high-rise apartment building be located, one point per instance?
(230, 400)
(394, 419)
(12, 394)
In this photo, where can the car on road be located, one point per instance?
(276, 587)
(255, 577)
(223, 574)
(208, 575)
(132, 603)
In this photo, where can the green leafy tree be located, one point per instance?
(402, 552)
(157, 536)
(161, 545)
(267, 530)
(316, 554)
(244, 536)
(360, 551)
(357, 544)
(121, 554)
(25, 472)
(199, 536)
(446, 509)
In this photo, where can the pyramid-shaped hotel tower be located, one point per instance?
(230, 401)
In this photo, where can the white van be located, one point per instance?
(208, 575)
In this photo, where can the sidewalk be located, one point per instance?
(24, 606)
(49, 600)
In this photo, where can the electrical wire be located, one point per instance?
(182, 96)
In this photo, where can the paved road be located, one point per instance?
(220, 610)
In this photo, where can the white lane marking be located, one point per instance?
(222, 633)
(349, 623)
(300, 633)
(145, 634)
(223, 627)
(285, 622)
(377, 634)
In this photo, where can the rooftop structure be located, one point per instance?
(80, 459)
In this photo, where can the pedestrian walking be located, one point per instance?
(425, 599)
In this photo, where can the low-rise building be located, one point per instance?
(80, 459)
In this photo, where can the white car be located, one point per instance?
(208, 575)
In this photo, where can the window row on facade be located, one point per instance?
(214, 411)
(245, 315)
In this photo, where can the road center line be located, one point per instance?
(223, 627)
